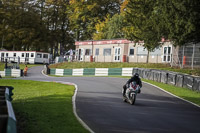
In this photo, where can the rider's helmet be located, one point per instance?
(136, 75)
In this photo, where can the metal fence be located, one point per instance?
(187, 56)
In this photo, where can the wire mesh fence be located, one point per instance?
(187, 56)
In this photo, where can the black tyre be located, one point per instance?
(132, 99)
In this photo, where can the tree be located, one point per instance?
(35, 25)
(141, 19)
(182, 20)
(84, 15)
(111, 28)
(22, 29)
(150, 21)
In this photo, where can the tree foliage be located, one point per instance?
(111, 28)
(45, 25)
(85, 14)
(182, 20)
(176, 20)
(35, 25)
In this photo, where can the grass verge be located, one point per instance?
(184, 93)
(43, 107)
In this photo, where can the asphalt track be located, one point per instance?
(99, 104)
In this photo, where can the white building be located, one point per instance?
(122, 50)
(31, 57)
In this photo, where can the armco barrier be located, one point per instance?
(167, 77)
(156, 75)
(101, 72)
(196, 85)
(89, 71)
(78, 72)
(135, 70)
(179, 80)
(140, 72)
(127, 71)
(59, 72)
(11, 72)
(7, 116)
(67, 72)
(171, 78)
(164, 77)
(147, 73)
(115, 71)
(188, 81)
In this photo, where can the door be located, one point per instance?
(27, 57)
(2, 57)
(80, 54)
(167, 51)
(117, 54)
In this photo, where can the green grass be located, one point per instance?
(43, 107)
(72, 65)
(184, 93)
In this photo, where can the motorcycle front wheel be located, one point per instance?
(132, 99)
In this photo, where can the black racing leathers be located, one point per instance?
(136, 79)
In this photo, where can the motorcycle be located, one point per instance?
(131, 93)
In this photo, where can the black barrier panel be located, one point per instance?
(179, 80)
(135, 70)
(156, 75)
(196, 85)
(140, 72)
(188, 81)
(164, 77)
(146, 73)
(151, 75)
(171, 78)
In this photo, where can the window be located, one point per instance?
(141, 51)
(87, 51)
(14, 54)
(6, 54)
(2, 54)
(167, 54)
(27, 54)
(131, 52)
(32, 54)
(107, 51)
(39, 55)
(45, 55)
(22, 54)
(97, 51)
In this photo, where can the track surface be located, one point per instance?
(99, 104)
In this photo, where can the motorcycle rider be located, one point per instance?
(135, 78)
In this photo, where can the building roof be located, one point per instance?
(23, 51)
(111, 41)
(99, 42)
